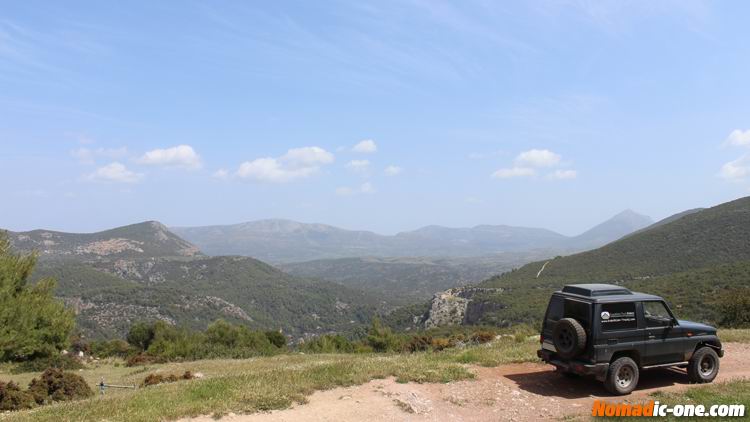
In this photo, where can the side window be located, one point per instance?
(656, 314)
(618, 316)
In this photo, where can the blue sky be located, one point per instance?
(380, 115)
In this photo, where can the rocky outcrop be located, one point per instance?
(460, 306)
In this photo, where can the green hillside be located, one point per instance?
(144, 272)
(195, 292)
(710, 237)
(407, 280)
(694, 261)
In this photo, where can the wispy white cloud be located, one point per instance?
(182, 156)
(297, 163)
(738, 138)
(89, 155)
(359, 166)
(736, 170)
(115, 172)
(538, 158)
(512, 172)
(368, 146)
(392, 170)
(221, 174)
(563, 174)
(364, 188)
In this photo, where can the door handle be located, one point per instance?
(651, 337)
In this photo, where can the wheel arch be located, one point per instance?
(632, 354)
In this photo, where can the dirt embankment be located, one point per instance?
(521, 392)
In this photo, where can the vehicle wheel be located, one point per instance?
(569, 338)
(622, 377)
(703, 366)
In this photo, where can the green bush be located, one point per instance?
(382, 339)
(57, 385)
(328, 344)
(276, 338)
(735, 308)
(59, 361)
(34, 323)
(13, 398)
(113, 348)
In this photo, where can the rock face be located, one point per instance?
(460, 306)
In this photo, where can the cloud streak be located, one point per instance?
(297, 163)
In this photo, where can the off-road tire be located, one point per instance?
(703, 366)
(622, 377)
(569, 338)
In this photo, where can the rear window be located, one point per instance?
(560, 308)
(618, 316)
(555, 309)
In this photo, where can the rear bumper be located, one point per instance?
(598, 370)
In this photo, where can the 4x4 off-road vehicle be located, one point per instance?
(613, 333)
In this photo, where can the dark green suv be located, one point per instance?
(613, 333)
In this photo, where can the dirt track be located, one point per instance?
(522, 392)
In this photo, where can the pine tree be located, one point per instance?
(33, 323)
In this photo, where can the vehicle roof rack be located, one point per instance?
(596, 290)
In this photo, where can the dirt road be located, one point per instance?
(521, 392)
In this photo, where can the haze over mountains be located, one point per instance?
(284, 241)
(695, 259)
(146, 271)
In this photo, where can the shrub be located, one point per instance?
(328, 344)
(141, 359)
(735, 310)
(482, 336)
(58, 361)
(440, 343)
(382, 339)
(57, 385)
(13, 398)
(418, 343)
(113, 348)
(155, 379)
(276, 338)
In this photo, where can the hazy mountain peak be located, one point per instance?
(146, 240)
(621, 224)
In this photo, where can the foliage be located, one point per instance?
(57, 385)
(13, 398)
(32, 323)
(58, 361)
(329, 343)
(276, 338)
(112, 348)
(736, 309)
(155, 379)
(141, 335)
(220, 340)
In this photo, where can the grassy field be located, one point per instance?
(251, 385)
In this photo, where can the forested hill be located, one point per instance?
(714, 236)
(149, 239)
(143, 271)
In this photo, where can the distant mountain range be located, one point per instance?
(284, 241)
(144, 272)
(694, 259)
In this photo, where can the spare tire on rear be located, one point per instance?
(569, 338)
